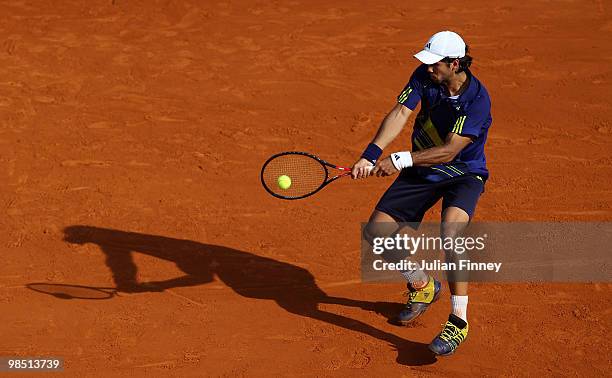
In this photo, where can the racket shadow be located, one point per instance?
(68, 291)
(292, 287)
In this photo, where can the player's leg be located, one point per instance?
(454, 222)
(458, 206)
(406, 200)
(120, 262)
(382, 225)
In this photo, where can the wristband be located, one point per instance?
(372, 153)
(401, 160)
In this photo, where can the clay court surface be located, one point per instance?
(132, 135)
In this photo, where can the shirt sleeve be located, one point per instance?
(476, 118)
(413, 91)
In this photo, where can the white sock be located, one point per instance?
(459, 305)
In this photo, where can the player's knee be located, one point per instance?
(454, 218)
(368, 233)
(373, 230)
(452, 229)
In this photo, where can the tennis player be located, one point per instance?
(446, 161)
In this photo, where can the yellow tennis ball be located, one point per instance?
(284, 182)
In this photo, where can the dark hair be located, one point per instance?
(464, 63)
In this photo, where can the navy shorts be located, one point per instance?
(410, 196)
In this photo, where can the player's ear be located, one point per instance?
(455, 65)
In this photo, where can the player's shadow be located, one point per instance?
(293, 288)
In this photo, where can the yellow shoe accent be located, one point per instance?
(424, 295)
(418, 301)
(451, 336)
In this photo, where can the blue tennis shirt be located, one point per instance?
(468, 115)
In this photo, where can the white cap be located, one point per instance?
(441, 45)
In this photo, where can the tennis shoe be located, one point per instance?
(454, 333)
(419, 300)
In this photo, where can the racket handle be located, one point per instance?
(348, 170)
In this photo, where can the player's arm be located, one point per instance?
(389, 129)
(392, 125)
(445, 153)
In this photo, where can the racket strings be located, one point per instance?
(306, 174)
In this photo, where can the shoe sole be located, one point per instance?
(444, 354)
(440, 354)
(408, 322)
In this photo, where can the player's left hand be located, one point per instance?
(384, 167)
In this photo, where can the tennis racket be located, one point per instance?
(295, 175)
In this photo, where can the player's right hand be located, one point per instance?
(361, 169)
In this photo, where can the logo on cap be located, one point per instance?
(440, 45)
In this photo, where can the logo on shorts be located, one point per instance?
(396, 156)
